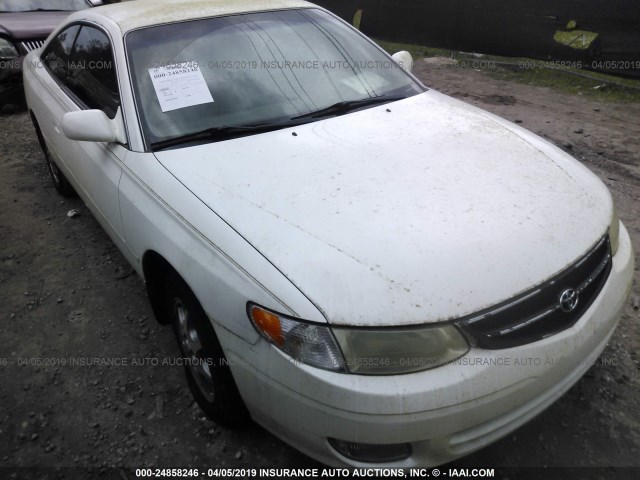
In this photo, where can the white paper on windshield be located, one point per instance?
(179, 86)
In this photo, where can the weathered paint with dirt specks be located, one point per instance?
(437, 208)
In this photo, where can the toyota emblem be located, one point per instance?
(569, 300)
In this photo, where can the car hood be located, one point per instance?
(414, 212)
(30, 25)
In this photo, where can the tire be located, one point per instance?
(60, 182)
(208, 373)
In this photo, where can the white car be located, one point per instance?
(373, 271)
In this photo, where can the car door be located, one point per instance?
(56, 59)
(87, 79)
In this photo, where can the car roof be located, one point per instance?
(130, 15)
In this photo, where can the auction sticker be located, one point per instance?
(180, 85)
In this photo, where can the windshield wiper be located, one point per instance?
(347, 106)
(225, 132)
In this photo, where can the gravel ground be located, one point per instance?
(67, 292)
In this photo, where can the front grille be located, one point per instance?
(32, 45)
(544, 310)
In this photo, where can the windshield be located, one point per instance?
(254, 69)
(33, 5)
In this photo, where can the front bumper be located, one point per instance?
(444, 413)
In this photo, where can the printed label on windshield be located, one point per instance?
(179, 86)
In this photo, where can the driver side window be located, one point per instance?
(81, 59)
(57, 56)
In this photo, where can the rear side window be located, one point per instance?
(57, 56)
(92, 73)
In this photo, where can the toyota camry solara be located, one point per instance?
(373, 271)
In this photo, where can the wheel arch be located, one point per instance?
(36, 126)
(155, 269)
(232, 412)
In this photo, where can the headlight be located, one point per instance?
(397, 351)
(7, 50)
(383, 351)
(308, 343)
(614, 231)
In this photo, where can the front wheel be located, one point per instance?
(208, 373)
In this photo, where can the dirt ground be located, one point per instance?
(67, 293)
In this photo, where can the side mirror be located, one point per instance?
(93, 126)
(404, 59)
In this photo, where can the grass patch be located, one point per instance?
(599, 86)
(418, 51)
(562, 80)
